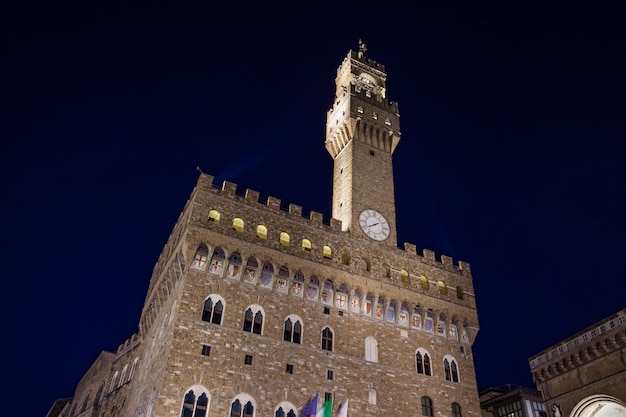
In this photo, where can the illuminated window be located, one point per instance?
(284, 239)
(238, 224)
(328, 253)
(214, 216)
(306, 245)
(424, 282)
(404, 276)
(388, 121)
(360, 109)
(261, 232)
(442, 288)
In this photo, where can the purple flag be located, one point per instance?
(311, 408)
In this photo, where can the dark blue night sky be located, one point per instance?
(512, 158)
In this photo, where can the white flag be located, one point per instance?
(343, 411)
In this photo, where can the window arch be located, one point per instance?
(242, 406)
(442, 288)
(292, 329)
(422, 362)
(451, 369)
(327, 339)
(285, 409)
(371, 349)
(195, 402)
(123, 375)
(217, 262)
(424, 282)
(455, 410)
(368, 264)
(214, 216)
(113, 381)
(387, 269)
(261, 231)
(427, 406)
(133, 369)
(306, 245)
(285, 240)
(297, 284)
(266, 279)
(345, 258)
(238, 224)
(250, 273)
(234, 266)
(200, 258)
(253, 319)
(404, 276)
(327, 252)
(213, 309)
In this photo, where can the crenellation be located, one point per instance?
(229, 188)
(295, 210)
(273, 203)
(252, 195)
(429, 255)
(316, 218)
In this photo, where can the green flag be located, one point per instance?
(327, 409)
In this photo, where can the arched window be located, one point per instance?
(297, 284)
(450, 369)
(387, 269)
(213, 309)
(293, 330)
(404, 276)
(328, 252)
(423, 282)
(113, 381)
(306, 245)
(261, 231)
(133, 369)
(200, 258)
(371, 349)
(195, 402)
(456, 410)
(237, 409)
(368, 265)
(327, 339)
(285, 240)
(252, 266)
(214, 216)
(98, 398)
(442, 288)
(427, 406)
(217, 262)
(285, 409)
(422, 362)
(253, 320)
(238, 224)
(234, 266)
(267, 275)
(123, 375)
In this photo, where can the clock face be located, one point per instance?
(374, 225)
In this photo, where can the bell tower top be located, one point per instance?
(362, 132)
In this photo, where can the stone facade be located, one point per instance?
(237, 277)
(585, 373)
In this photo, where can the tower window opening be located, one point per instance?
(289, 368)
(248, 360)
(372, 153)
(206, 350)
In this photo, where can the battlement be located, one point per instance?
(361, 57)
(316, 220)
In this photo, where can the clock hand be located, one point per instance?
(373, 224)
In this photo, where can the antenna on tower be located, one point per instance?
(199, 170)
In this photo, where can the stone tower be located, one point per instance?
(362, 131)
(253, 310)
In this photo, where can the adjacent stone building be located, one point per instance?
(585, 374)
(254, 309)
(512, 401)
